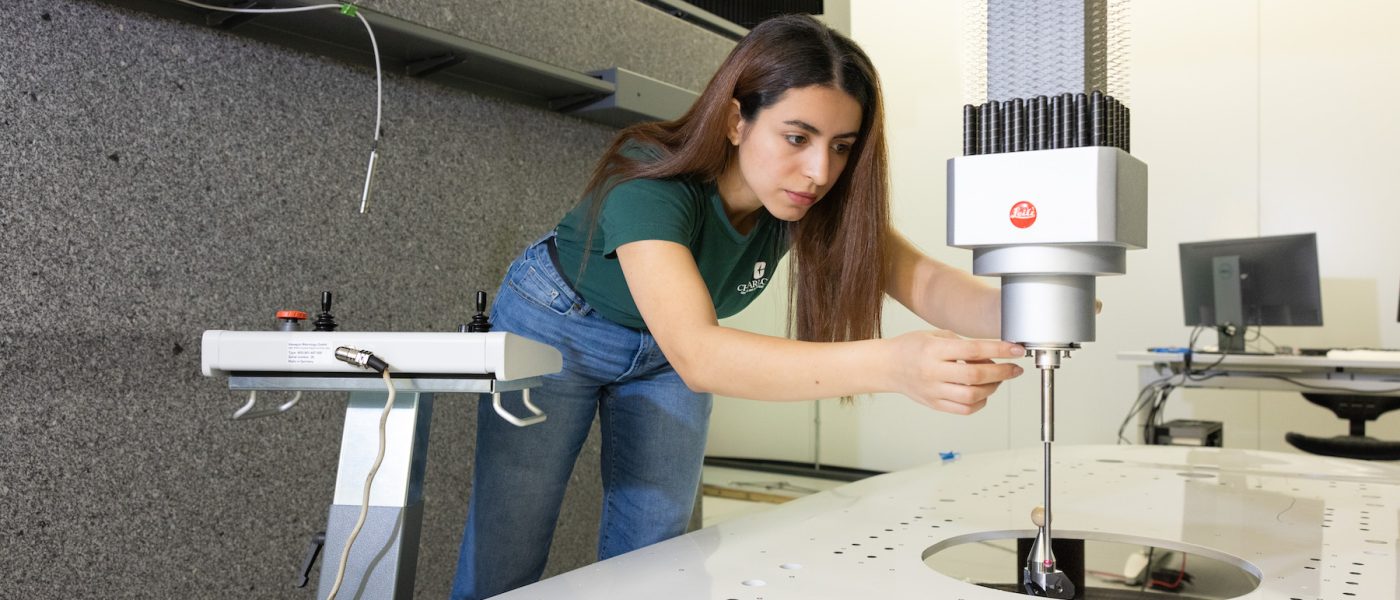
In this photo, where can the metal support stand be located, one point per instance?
(385, 554)
(384, 557)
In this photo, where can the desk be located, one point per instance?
(1273, 372)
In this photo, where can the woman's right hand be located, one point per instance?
(948, 373)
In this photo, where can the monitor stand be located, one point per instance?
(1229, 339)
(1229, 305)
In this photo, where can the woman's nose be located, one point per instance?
(817, 166)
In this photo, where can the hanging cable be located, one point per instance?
(367, 360)
(349, 10)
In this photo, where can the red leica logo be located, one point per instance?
(1023, 214)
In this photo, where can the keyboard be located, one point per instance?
(1364, 354)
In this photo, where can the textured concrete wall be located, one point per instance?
(158, 179)
(585, 36)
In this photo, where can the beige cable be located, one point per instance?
(369, 481)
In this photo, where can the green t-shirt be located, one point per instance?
(735, 267)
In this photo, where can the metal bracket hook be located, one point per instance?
(246, 411)
(538, 417)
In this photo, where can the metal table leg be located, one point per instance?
(385, 555)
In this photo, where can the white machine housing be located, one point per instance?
(1087, 207)
(501, 355)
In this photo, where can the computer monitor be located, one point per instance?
(1232, 285)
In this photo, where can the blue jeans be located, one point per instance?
(653, 435)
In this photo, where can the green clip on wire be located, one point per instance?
(348, 10)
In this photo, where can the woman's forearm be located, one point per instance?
(941, 295)
(960, 302)
(936, 369)
(731, 362)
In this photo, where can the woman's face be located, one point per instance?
(792, 152)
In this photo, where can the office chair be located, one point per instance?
(1357, 410)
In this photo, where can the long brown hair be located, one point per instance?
(838, 250)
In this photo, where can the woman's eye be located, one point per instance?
(842, 148)
(797, 140)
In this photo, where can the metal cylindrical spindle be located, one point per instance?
(1057, 120)
(969, 130)
(1067, 121)
(1018, 125)
(1111, 118)
(1098, 120)
(1047, 361)
(1006, 126)
(998, 123)
(984, 128)
(1081, 120)
(1118, 124)
(1049, 537)
(1042, 122)
(1127, 129)
(1032, 125)
(1047, 415)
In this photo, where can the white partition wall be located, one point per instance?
(1255, 118)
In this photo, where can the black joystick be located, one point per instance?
(325, 321)
(480, 324)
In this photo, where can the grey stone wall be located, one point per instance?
(158, 179)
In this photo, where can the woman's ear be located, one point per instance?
(735, 130)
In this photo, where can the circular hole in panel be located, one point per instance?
(755, 582)
(991, 559)
(790, 566)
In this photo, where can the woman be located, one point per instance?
(681, 224)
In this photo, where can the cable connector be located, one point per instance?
(348, 9)
(361, 358)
